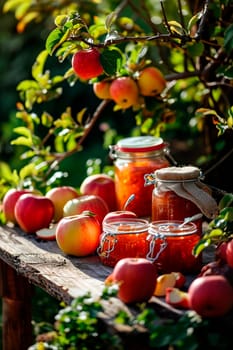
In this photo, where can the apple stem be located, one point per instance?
(129, 200)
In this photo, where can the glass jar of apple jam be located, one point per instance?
(133, 158)
(123, 238)
(171, 246)
(178, 193)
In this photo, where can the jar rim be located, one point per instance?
(172, 228)
(117, 226)
(139, 144)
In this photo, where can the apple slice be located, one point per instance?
(177, 298)
(180, 279)
(48, 233)
(164, 281)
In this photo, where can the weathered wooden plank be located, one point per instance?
(42, 263)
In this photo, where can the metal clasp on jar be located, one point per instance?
(110, 245)
(153, 238)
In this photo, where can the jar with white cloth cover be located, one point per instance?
(179, 193)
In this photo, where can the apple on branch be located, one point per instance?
(124, 91)
(86, 63)
(151, 81)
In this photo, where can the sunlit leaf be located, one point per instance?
(27, 171)
(80, 115)
(200, 246)
(194, 20)
(21, 130)
(53, 40)
(38, 66)
(27, 84)
(110, 19)
(22, 141)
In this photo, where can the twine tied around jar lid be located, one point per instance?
(185, 182)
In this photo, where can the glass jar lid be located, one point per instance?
(174, 228)
(140, 144)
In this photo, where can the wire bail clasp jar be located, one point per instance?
(123, 238)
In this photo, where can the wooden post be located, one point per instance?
(16, 293)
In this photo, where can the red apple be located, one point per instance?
(78, 235)
(211, 296)
(136, 278)
(119, 214)
(101, 185)
(33, 212)
(221, 252)
(59, 196)
(9, 201)
(86, 63)
(92, 203)
(229, 253)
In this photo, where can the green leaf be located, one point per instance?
(200, 246)
(53, 40)
(228, 38)
(111, 60)
(27, 84)
(21, 130)
(195, 49)
(22, 141)
(226, 201)
(38, 66)
(27, 171)
(47, 119)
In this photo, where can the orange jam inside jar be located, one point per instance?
(178, 194)
(133, 158)
(123, 238)
(171, 246)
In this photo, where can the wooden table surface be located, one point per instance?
(27, 261)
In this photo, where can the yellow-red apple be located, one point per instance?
(124, 91)
(211, 296)
(33, 212)
(86, 63)
(101, 185)
(78, 235)
(151, 82)
(92, 203)
(136, 278)
(102, 89)
(59, 196)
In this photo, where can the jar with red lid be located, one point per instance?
(171, 246)
(123, 238)
(178, 193)
(133, 158)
